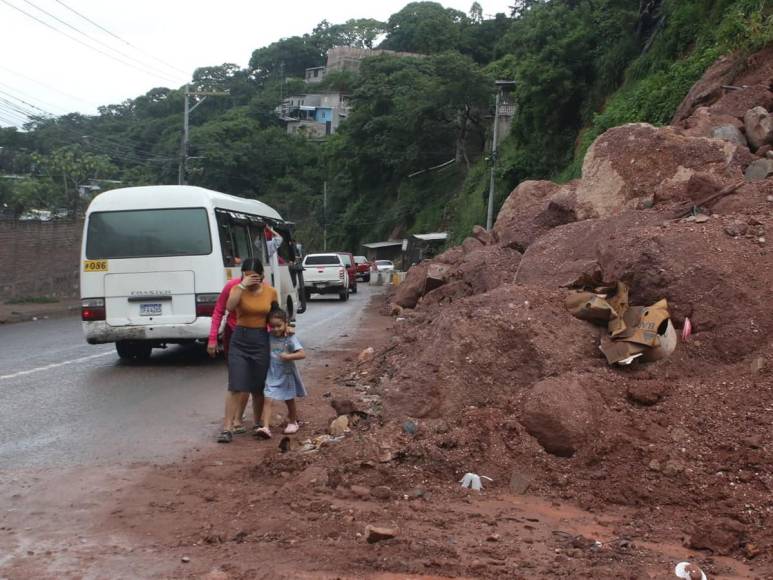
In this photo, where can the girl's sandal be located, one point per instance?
(239, 430)
(225, 437)
(263, 433)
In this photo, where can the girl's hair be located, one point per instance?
(252, 265)
(277, 313)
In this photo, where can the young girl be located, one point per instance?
(283, 382)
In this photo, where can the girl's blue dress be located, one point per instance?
(283, 381)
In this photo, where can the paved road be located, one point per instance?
(64, 402)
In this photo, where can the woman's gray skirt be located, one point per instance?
(248, 359)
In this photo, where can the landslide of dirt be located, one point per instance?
(500, 379)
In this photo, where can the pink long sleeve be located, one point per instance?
(219, 311)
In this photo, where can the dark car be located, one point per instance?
(351, 269)
(363, 268)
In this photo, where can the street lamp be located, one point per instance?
(502, 88)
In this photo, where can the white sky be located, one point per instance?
(55, 73)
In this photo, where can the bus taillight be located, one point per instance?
(92, 309)
(205, 304)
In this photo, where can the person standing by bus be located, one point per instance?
(248, 355)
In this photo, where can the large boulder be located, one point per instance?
(532, 209)
(629, 167)
(759, 127)
(412, 288)
(737, 102)
(731, 86)
(709, 88)
(562, 414)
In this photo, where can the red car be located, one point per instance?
(363, 268)
(351, 268)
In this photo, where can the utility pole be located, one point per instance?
(501, 87)
(324, 216)
(182, 169)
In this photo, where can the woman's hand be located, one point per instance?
(251, 280)
(212, 349)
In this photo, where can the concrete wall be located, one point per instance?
(39, 258)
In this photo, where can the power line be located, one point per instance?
(89, 20)
(74, 39)
(50, 87)
(79, 31)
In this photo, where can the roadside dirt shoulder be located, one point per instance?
(11, 313)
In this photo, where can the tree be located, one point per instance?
(72, 167)
(476, 13)
(286, 57)
(424, 27)
(358, 33)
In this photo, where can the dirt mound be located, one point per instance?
(488, 372)
(716, 279)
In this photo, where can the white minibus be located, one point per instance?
(155, 259)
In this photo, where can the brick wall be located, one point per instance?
(39, 258)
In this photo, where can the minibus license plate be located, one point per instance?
(150, 309)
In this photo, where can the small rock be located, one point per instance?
(377, 534)
(759, 170)
(520, 481)
(673, 467)
(729, 133)
(751, 550)
(185, 559)
(366, 355)
(654, 465)
(757, 365)
(339, 426)
(494, 538)
(409, 427)
(381, 492)
(701, 218)
(418, 492)
(736, 229)
(360, 491)
(343, 406)
(770, 199)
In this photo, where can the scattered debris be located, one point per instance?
(473, 481)
(378, 534)
(689, 571)
(686, 329)
(634, 331)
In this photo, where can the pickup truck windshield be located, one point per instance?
(148, 233)
(322, 261)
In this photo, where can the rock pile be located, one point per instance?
(500, 377)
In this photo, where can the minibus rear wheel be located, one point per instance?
(133, 349)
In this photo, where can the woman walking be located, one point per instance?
(249, 354)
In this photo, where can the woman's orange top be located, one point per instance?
(252, 310)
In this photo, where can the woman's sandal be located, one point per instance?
(225, 437)
(239, 430)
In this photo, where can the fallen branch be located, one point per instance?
(709, 200)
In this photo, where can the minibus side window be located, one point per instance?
(226, 243)
(241, 241)
(258, 238)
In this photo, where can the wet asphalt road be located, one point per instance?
(64, 402)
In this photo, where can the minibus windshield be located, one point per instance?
(148, 233)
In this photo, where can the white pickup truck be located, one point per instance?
(325, 274)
